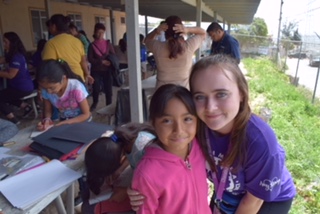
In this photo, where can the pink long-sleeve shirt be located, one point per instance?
(169, 184)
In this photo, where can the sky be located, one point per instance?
(304, 12)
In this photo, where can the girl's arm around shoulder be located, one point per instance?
(151, 196)
(249, 204)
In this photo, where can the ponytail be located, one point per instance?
(176, 46)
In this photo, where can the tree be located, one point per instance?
(290, 35)
(258, 27)
(253, 35)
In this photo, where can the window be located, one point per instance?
(100, 19)
(76, 19)
(122, 20)
(39, 28)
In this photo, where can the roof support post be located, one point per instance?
(215, 15)
(48, 8)
(229, 28)
(134, 65)
(112, 27)
(146, 25)
(199, 19)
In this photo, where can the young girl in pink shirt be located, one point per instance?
(171, 175)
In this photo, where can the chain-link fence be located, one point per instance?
(299, 59)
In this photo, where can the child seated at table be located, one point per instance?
(63, 89)
(107, 162)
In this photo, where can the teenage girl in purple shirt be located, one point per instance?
(246, 162)
(19, 82)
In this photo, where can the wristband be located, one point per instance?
(46, 119)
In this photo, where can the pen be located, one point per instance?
(4, 177)
(46, 159)
(7, 143)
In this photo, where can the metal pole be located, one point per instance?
(295, 77)
(134, 64)
(199, 19)
(315, 85)
(279, 29)
(146, 25)
(285, 60)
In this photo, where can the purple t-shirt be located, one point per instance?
(22, 81)
(264, 173)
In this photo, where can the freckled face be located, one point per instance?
(176, 128)
(217, 98)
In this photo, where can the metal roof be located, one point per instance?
(232, 11)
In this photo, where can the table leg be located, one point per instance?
(59, 205)
(70, 199)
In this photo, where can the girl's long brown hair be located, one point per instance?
(176, 43)
(237, 155)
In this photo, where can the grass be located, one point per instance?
(297, 124)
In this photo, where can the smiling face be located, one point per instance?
(217, 98)
(176, 128)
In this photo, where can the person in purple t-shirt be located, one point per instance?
(19, 82)
(245, 161)
(242, 148)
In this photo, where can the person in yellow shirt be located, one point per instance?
(66, 47)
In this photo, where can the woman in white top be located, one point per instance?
(174, 56)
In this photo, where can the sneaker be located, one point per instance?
(14, 120)
(39, 108)
(27, 110)
(93, 106)
(77, 201)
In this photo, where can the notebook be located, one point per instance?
(62, 142)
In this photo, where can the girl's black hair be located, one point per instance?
(61, 22)
(84, 33)
(103, 156)
(123, 45)
(16, 46)
(52, 71)
(40, 45)
(164, 94)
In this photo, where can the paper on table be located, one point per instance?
(25, 189)
(35, 132)
(104, 195)
(4, 150)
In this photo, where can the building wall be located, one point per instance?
(15, 15)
